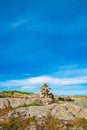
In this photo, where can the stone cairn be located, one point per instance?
(45, 93)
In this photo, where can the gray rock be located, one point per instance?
(37, 101)
(4, 102)
(66, 111)
(81, 103)
(73, 109)
(16, 102)
(62, 113)
(82, 114)
(35, 111)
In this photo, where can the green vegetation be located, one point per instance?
(50, 123)
(28, 105)
(15, 91)
(32, 104)
(60, 102)
(80, 123)
(14, 124)
(17, 123)
(12, 93)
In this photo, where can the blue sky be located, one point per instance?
(44, 41)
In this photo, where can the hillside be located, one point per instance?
(15, 94)
(28, 111)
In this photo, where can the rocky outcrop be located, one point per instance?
(69, 111)
(62, 113)
(37, 112)
(81, 103)
(16, 102)
(66, 111)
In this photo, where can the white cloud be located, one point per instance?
(36, 81)
(67, 81)
(71, 71)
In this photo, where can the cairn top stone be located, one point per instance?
(45, 86)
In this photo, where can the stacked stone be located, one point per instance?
(45, 93)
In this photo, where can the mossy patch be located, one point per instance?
(11, 93)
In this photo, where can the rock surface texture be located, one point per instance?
(16, 102)
(20, 108)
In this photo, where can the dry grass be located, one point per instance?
(80, 123)
(17, 123)
(5, 111)
(50, 123)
